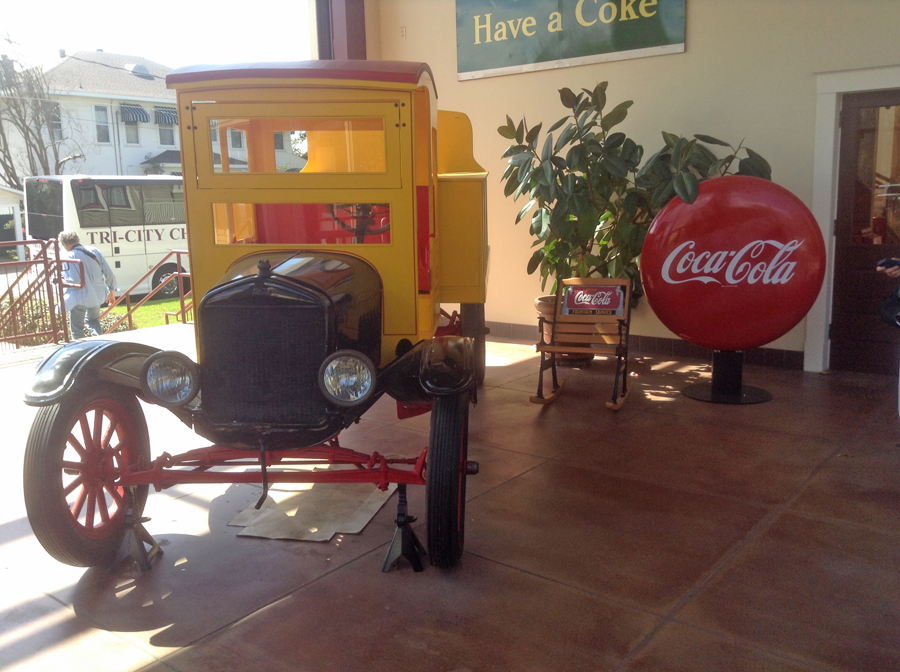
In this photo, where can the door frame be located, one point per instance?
(830, 87)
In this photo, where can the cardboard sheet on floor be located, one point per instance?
(307, 512)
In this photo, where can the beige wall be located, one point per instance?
(748, 71)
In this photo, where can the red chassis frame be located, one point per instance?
(195, 466)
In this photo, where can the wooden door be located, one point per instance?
(867, 229)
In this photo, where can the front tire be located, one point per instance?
(471, 317)
(446, 479)
(170, 289)
(73, 461)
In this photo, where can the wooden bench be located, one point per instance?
(591, 317)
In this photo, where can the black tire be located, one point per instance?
(171, 288)
(446, 479)
(74, 453)
(471, 317)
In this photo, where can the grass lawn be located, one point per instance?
(151, 314)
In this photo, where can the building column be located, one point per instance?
(341, 29)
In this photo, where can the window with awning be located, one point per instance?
(166, 115)
(133, 113)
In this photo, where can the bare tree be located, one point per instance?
(30, 123)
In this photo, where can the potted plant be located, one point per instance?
(591, 201)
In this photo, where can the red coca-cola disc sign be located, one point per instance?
(736, 269)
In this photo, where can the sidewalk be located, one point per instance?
(671, 536)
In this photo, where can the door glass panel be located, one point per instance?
(302, 223)
(299, 145)
(876, 194)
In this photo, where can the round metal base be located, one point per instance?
(748, 395)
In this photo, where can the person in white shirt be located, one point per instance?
(99, 285)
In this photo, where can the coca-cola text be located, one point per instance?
(748, 264)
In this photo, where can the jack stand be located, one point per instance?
(405, 543)
(132, 548)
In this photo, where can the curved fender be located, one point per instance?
(448, 364)
(72, 364)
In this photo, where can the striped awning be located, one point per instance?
(166, 115)
(132, 112)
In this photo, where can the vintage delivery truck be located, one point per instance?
(332, 211)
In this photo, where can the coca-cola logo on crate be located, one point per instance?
(736, 269)
(593, 300)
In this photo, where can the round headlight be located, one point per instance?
(347, 378)
(170, 379)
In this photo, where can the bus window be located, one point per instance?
(163, 204)
(91, 209)
(300, 145)
(124, 204)
(44, 214)
(302, 223)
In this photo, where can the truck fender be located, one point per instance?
(78, 363)
(447, 365)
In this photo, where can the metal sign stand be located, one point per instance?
(727, 382)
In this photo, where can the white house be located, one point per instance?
(116, 117)
(115, 111)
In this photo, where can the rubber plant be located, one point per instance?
(591, 201)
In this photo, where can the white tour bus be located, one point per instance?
(133, 221)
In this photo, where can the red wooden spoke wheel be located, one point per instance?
(446, 479)
(74, 458)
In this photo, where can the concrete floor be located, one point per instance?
(672, 535)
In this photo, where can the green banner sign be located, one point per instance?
(501, 37)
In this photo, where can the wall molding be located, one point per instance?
(663, 347)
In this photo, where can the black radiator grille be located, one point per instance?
(260, 363)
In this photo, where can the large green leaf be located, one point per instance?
(535, 261)
(678, 152)
(520, 132)
(533, 134)
(548, 172)
(512, 150)
(521, 158)
(599, 96)
(507, 132)
(670, 139)
(761, 163)
(558, 124)
(686, 186)
(568, 98)
(632, 201)
(615, 116)
(662, 195)
(751, 167)
(651, 162)
(574, 156)
(565, 136)
(614, 140)
(511, 186)
(709, 140)
(524, 211)
(548, 148)
(615, 165)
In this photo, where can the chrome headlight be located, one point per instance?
(170, 379)
(347, 378)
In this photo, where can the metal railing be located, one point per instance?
(178, 277)
(32, 310)
(32, 307)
